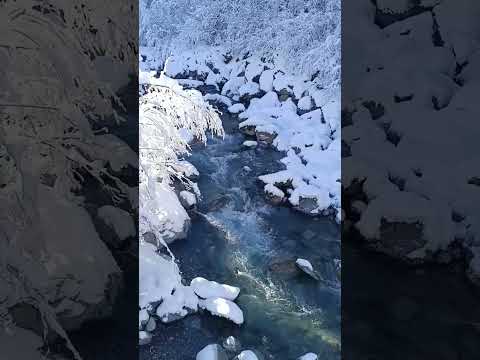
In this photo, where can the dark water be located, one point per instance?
(235, 240)
(394, 311)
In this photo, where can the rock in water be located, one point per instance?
(307, 268)
(212, 352)
(232, 344)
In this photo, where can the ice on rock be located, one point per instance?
(236, 108)
(212, 352)
(223, 308)
(207, 289)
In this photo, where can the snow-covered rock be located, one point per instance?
(246, 355)
(236, 108)
(187, 199)
(208, 289)
(212, 352)
(223, 308)
(266, 81)
(305, 104)
(274, 194)
(307, 268)
(219, 99)
(308, 356)
(232, 86)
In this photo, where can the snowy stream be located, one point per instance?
(239, 239)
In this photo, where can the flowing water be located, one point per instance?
(239, 239)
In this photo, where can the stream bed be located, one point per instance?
(239, 239)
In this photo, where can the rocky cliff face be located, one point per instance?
(60, 66)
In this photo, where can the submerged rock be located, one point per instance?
(212, 352)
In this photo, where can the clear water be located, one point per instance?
(234, 239)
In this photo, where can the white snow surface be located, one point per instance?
(308, 356)
(247, 355)
(304, 263)
(236, 108)
(208, 289)
(188, 197)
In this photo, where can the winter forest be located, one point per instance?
(239, 207)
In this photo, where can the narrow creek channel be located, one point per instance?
(239, 239)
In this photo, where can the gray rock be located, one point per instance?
(248, 130)
(265, 138)
(151, 325)
(307, 205)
